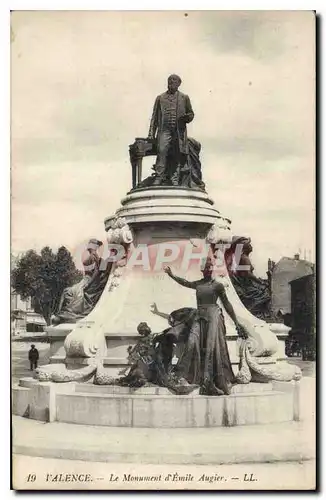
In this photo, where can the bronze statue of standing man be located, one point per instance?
(172, 111)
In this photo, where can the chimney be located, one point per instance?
(297, 256)
(271, 265)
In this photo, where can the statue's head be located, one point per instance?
(207, 267)
(174, 82)
(94, 245)
(143, 329)
(247, 246)
(244, 241)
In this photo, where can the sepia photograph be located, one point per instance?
(163, 250)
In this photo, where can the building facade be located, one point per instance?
(303, 314)
(23, 317)
(281, 274)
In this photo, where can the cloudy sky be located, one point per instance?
(83, 87)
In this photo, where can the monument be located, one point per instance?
(152, 353)
(177, 161)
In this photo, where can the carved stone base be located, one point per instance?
(111, 406)
(156, 219)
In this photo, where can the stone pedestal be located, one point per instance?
(167, 226)
(157, 227)
(149, 407)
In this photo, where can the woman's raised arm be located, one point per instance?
(181, 281)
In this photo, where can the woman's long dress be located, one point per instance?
(207, 330)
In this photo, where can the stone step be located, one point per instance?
(27, 382)
(100, 405)
(163, 411)
(274, 443)
(89, 388)
(20, 400)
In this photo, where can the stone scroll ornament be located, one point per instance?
(59, 373)
(85, 341)
(252, 371)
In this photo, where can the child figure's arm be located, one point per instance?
(154, 310)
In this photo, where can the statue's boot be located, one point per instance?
(208, 388)
(181, 386)
(227, 389)
(175, 179)
(157, 181)
(183, 389)
(55, 320)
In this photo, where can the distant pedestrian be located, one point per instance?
(33, 356)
